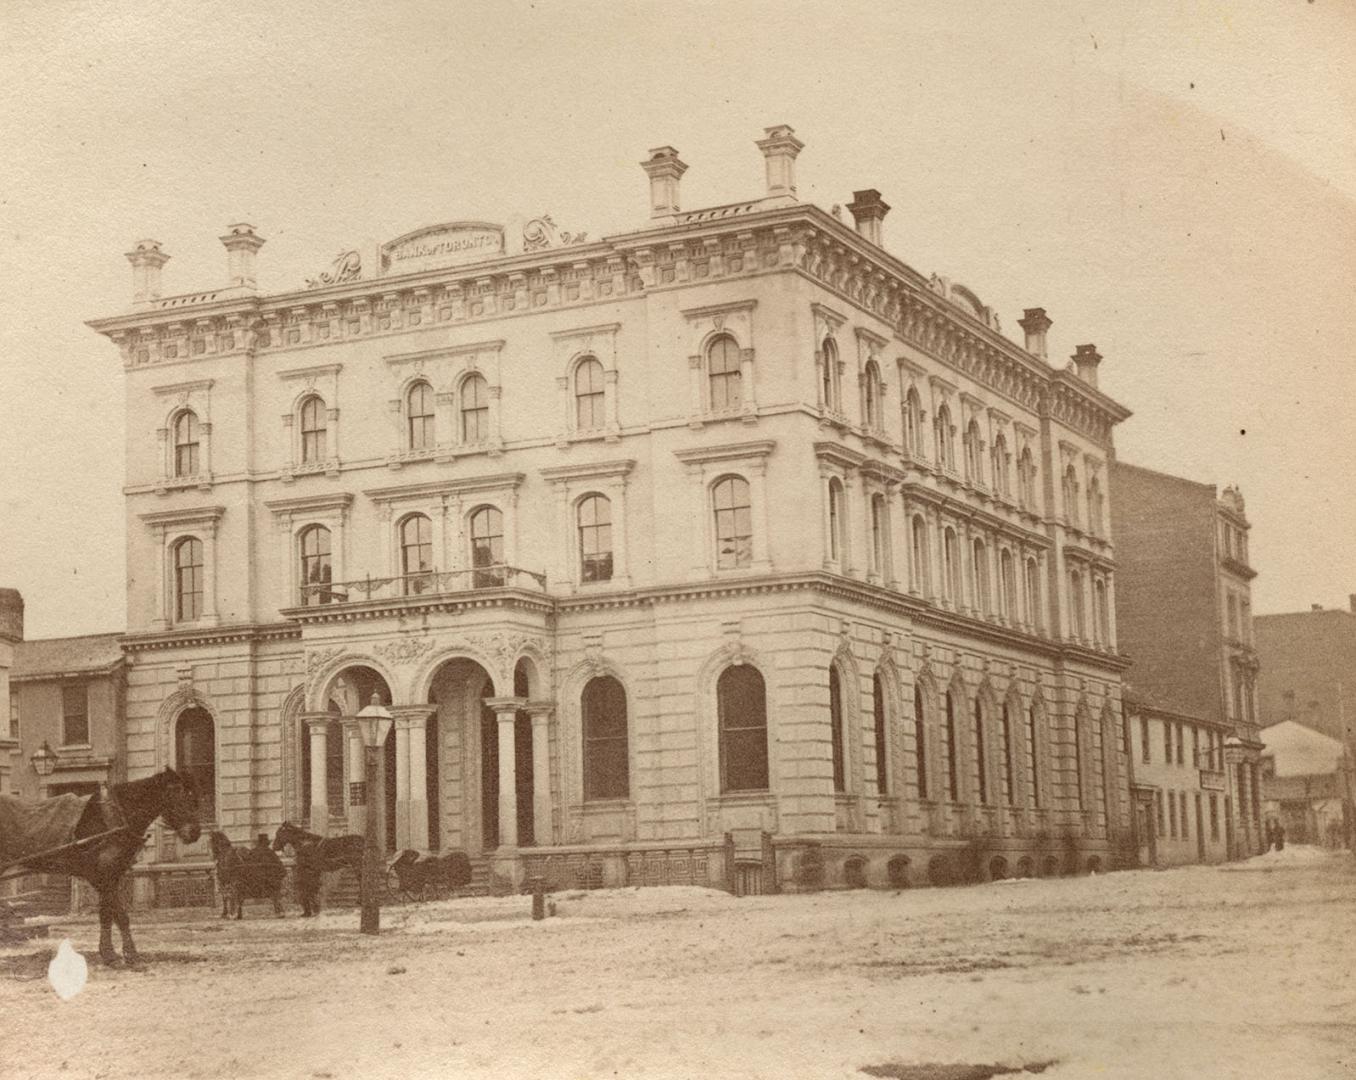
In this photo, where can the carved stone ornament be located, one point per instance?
(316, 660)
(404, 650)
(540, 233)
(347, 266)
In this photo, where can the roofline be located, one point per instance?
(1121, 463)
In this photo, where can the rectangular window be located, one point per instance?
(1172, 816)
(1186, 829)
(1146, 753)
(1214, 817)
(14, 714)
(1167, 742)
(1162, 818)
(75, 714)
(1181, 744)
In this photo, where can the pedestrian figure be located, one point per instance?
(1280, 837)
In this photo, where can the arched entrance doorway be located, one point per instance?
(466, 778)
(347, 693)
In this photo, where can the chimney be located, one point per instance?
(1315, 607)
(241, 246)
(868, 211)
(1085, 361)
(146, 259)
(779, 151)
(1035, 323)
(664, 170)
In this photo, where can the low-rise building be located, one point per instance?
(11, 633)
(67, 715)
(1306, 784)
(1180, 783)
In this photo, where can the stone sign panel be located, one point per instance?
(453, 244)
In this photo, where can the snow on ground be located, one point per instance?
(1195, 972)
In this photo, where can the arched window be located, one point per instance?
(1070, 486)
(1095, 506)
(837, 522)
(871, 397)
(416, 553)
(313, 424)
(1077, 625)
(1033, 593)
(722, 374)
(919, 552)
(419, 416)
(882, 741)
(946, 456)
(952, 773)
(1078, 760)
(1007, 574)
(1009, 776)
(475, 410)
(913, 425)
(880, 528)
(1100, 613)
(186, 444)
(195, 756)
(741, 705)
(999, 463)
(836, 729)
(487, 547)
(315, 566)
(974, 453)
(606, 763)
(980, 554)
(981, 753)
(188, 579)
(829, 376)
(920, 743)
(589, 395)
(951, 570)
(734, 523)
(595, 538)
(1026, 480)
(1033, 751)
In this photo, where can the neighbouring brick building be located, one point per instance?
(11, 633)
(1309, 669)
(1184, 620)
(727, 548)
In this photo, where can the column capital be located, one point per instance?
(509, 705)
(315, 720)
(540, 708)
(412, 716)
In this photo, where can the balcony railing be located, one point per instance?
(423, 583)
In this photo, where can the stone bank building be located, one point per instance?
(730, 549)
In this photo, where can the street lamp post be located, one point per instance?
(374, 724)
(43, 759)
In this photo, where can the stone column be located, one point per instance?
(357, 815)
(505, 710)
(402, 792)
(317, 725)
(541, 772)
(411, 722)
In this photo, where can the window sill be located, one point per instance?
(202, 482)
(608, 806)
(743, 798)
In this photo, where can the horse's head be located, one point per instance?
(407, 856)
(221, 845)
(179, 806)
(283, 836)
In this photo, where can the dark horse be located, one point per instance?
(119, 822)
(317, 854)
(255, 873)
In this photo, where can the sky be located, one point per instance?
(1174, 182)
